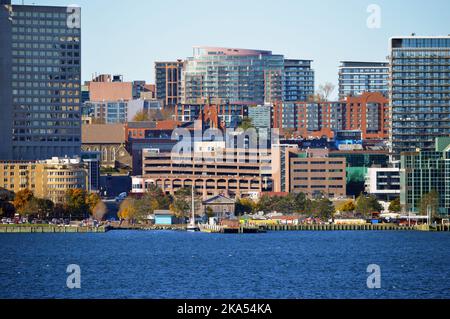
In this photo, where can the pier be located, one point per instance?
(355, 227)
(51, 229)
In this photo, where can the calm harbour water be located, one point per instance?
(133, 264)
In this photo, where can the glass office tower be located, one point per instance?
(426, 171)
(41, 78)
(419, 92)
(356, 78)
(226, 75)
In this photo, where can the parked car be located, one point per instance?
(121, 197)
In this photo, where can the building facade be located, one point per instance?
(41, 81)
(168, 82)
(419, 92)
(309, 119)
(317, 176)
(227, 75)
(423, 172)
(248, 173)
(228, 115)
(356, 78)
(311, 172)
(298, 80)
(110, 141)
(368, 113)
(261, 116)
(383, 182)
(49, 179)
(358, 164)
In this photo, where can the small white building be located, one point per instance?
(383, 182)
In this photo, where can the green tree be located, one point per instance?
(182, 202)
(6, 207)
(244, 206)
(209, 212)
(264, 204)
(289, 204)
(394, 206)
(321, 208)
(246, 123)
(366, 205)
(430, 201)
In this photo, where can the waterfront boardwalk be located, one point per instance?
(242, 229)
(50, 229)
(335, 227)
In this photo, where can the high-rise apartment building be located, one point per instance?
(419, 91)
(40, 91)
(235, 76)
(358, 77)
(298, 83)
(168, 82)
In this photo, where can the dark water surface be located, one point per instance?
(133, 264)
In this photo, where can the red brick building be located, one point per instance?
(368, 113)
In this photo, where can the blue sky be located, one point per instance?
(126, 37)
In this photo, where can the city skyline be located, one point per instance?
(296, 33)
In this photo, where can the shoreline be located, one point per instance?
(241, 230)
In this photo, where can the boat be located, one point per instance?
(192, 227)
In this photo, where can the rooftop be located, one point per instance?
(103, 134)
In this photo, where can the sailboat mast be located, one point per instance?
(192, 209)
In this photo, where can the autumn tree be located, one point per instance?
(347, 207)
(99, 211)
(394, 206)
(152, 200)
(164, 114)
(127, 210)
(76, 204)
(21, 201)
(141, 116)
(92, 200)
(288, 132)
